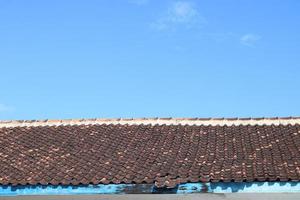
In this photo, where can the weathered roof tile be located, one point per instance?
(162, 154)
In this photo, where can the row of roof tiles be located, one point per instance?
(167, 121)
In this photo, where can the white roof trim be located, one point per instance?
(154, 121)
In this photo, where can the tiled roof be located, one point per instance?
(161, 151)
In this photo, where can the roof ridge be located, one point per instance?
(156, 120)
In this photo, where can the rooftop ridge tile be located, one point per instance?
(153, 121)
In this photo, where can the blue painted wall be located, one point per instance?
(186, 188)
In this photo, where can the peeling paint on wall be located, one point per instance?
(251, 187)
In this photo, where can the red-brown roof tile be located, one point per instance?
(162, 154)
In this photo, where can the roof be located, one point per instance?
(164, 151)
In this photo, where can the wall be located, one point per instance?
(256, 187)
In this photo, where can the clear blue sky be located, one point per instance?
(148, 58)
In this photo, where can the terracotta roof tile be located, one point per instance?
(162, 154)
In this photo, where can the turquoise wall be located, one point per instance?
(256, 187)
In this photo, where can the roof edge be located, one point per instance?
(154, 121)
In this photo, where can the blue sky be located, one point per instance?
(149, 58)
